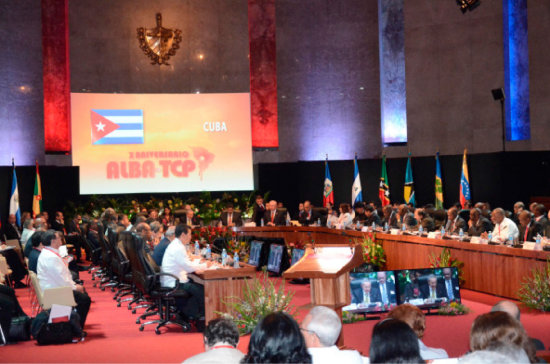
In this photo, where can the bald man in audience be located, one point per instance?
(478, 224)
(504, 227)
(321, 328)
(528, 227)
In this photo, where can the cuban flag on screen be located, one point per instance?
(117, 126)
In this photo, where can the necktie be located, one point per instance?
(384, 296)
(526, 232)
(433, 293)
(450, 290)
(366, 297)
(229, 219)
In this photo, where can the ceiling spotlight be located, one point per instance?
(466, 5)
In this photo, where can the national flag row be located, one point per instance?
(14, 198)
(408, 189)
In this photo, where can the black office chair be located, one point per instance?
(147, 280)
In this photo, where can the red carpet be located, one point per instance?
(113, 335)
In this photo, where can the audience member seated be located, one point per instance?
(528, 227)
(500, 327)
(230, 217)
(277, 339)
(372, 216)
(36, 242)
(496, 353)
(11, 230)
(389, 217)
(28, 230)
(478, 224)
(190, 219)
(345, 220)
(455, 222)
(385, 291)
(404, 217)
(160, 248)
(272, 216)
(144, 231)
(53, 272)
(540, 214)
(157, 232)
(518, 208)
(124, 221)
(415, 318)
(321, 328)
(93, 234)
(504, 227)
(513, 310)
(221, 338)
(308, 216)
(176, 261)
(393, 341)
(360, 215)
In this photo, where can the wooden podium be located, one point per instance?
(328, 269)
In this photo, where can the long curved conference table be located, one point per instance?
(492, 269)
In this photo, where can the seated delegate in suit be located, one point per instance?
(385, 291)
(308, 216)
(432, 290)
(478, 224)
(190, 219)
(452, 290)
(454, 222)
(36, 242)
(404, 217)
(176, 261)
(389, 217)
(424, 220)
(364, 295)
(272, 216)
(372, 216)
(230, 217)
(528, 227)
(11, 230)
(360, 214)
(53, 273)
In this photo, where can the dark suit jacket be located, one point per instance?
(412, 291)
(357, 296)
(74, 228)
(33, 260)
(454, 287)
(482, 226)
(534, 229)
(258, 215)
(373, 218)
(439, 290)
(58, 226)
(237, 220)
(93, 238)
(159, 251)
(360, 217)
(376, 294)
(392, 221)
(279, 220)
(428, 224)
(408, 219)
(11, 232)
(459, 224)
(306, 219)
(194, 220)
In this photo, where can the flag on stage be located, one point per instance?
(384, 189)
(37, 197)
(14, 200)
(328, 193)
(464, 182)
(438, 184)
(356, 191)
(408, 192)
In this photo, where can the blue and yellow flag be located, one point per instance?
(438, 184)
(408, 192)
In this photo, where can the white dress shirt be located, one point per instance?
(331, 355)
(428, 353)
(221, 355)
(345, 220)
(177, 262)
(52, 270)
(506, 229)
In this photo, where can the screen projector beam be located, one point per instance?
(136, 143)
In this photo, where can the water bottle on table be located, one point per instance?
(208, 252)
(460, 234)
(197, 248)
(224, 257)
(236, 260)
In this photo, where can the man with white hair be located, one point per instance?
(504, 227)
(321, 328)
